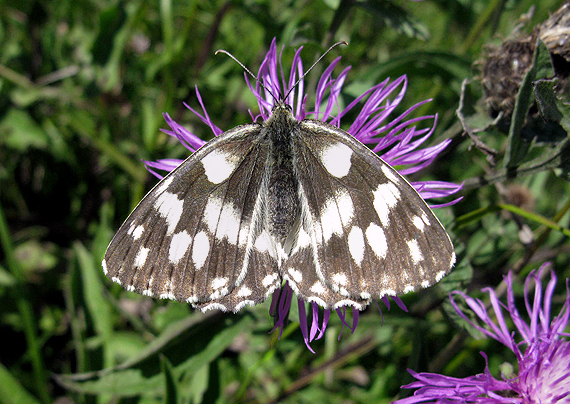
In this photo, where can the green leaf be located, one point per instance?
(197, 385)
(551, 107)
(111, 21)
(427, 63)
(20, 132)
(35, 256)
(170, 387)
(189, 345)
(461, 274)
(397, 18)
(213, 383)
(11, 391)
(517, 146)
(6, 278)
(98, 305)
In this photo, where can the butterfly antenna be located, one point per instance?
(313, 65)
(247, 71)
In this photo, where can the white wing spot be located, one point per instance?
(318, 288)
(303, 240)
(214, 306)
(263, 242)
(386, 196)
(268, 280)
(244, 292)
(339, 278)
(135, 231)
(164, 184)
(116, 280)
(212, 213)
(330, 219)
(192, 299)
(409, 288)
(141, 257)
(377, 240)
(356, 244)
(452, 261)
(419, 223)
(130, 288)
(389, 173)
(280, 255)
(440, 276)
(219, 293)
(345, 206)
(200, 249)
(336, 159)
(218, 283)
(347, 302)
(178, 246)
(218, 166)
(425, 284)
(147, 292)
(170, 207)
(318, 301)
(168, 295)
(387, 292)
(296, 275)
(104, 265)
(365, 295)
(229, 224)
(241, 305)
(415, 251)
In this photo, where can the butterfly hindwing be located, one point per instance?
(302, 268)
(197, 234)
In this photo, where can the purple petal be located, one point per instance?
(205, 118)
(303, 323)
(163, 164)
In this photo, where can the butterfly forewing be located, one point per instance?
(285, 200)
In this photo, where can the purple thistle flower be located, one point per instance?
(542, 353)
(397, 140)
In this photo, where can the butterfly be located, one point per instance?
(283, 200)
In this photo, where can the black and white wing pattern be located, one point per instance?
(366, 231)
(284, 200)
(198, 236)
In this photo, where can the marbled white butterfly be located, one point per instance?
(290, 200)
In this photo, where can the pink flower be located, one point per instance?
(541, 348)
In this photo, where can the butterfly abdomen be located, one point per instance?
(283, 206)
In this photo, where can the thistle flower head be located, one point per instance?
(540, 345)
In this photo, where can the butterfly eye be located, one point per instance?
(282, 106)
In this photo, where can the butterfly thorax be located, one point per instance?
(282, 197)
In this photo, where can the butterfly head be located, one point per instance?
(281, 114)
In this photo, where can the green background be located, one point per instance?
(83, 85)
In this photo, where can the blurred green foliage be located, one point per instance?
(83, 85)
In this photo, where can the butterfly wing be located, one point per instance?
(198, 236)
(369, 233)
